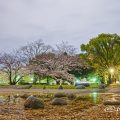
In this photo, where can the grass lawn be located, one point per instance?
(55, 86)
(93, 85)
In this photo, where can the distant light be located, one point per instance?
(111, 70)
(77, 81)
(94, 79)
(117, 82)
(18, 77)
(94, 94)
(32, 78)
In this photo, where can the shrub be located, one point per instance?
(80, 87)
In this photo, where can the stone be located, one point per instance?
(71, 96)
(80, 87)
(33, 102)
(85, 84)
(59, 94)
(59, 101)
(109, 102)
(60, 87)
(102, 86)
(24, 86)
(24, 96)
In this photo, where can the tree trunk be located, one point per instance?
(10, 78)
(47, 80)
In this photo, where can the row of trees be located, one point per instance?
(62, 63)
(42, 61)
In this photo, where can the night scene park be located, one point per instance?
(59, 60)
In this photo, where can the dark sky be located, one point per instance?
(75, 21)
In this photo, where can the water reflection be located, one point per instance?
(10, 99)
(95, 97)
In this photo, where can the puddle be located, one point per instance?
(95, 97)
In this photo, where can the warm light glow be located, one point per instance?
(111, 70)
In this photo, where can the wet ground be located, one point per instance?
(90, 108)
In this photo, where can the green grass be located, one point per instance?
(55, 86)
(94, 85)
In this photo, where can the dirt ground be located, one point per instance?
(74, 110)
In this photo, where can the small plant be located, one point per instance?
(60, 87)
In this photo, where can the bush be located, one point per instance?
(80, 87)
(23, 82)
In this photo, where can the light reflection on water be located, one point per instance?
(16, 99)
(95, 97)
(10, 99)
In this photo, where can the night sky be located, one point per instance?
(75, 21)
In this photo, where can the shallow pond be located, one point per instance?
(12, 106)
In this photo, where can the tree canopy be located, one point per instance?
(102, 52)
(57, 66)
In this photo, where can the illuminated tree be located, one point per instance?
(11, 65)
(56, 66)
(102, 52)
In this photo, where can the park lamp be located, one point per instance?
(111, 70)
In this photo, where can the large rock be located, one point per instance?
(71, 96)
(59, 94)
(80, 87)
(116, 102)
(24, 96)
(59, 101)
(24, 86)
(102, 86)
(85, 84)
(33, 102)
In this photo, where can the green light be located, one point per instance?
(94, 79)
(18, 77)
